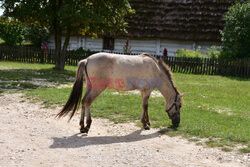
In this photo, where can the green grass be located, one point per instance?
(21, 76)
(245, 150)
(226, 149)
(31, 66)
(215, 107)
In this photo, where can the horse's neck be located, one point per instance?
(168, 91)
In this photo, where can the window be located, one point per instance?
(108, 43)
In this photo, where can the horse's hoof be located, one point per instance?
(147, 128)
(84, 130)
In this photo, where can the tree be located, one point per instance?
(65, 17)
(236, 33)
(11, 31)
(37, 35)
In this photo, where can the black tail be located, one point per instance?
(76, 93)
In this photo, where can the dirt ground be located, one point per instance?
(30, 136)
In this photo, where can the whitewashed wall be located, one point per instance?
(137, 46)
(154, 46)
(77, 42)
(93, 44)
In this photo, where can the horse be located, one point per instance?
(122, 72)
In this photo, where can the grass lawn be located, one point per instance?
(21, 76)
(215, 108)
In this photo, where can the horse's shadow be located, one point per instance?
(81, 140)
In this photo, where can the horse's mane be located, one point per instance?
(165, 68)
(149, 55)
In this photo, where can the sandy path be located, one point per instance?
(30, 136)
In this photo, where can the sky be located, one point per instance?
(1, 10)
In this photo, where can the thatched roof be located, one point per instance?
(198, 20)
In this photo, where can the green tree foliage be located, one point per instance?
(67, 17)
(11, 31)
(37, 35)
(236, 33)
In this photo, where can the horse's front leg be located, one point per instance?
(144, 117)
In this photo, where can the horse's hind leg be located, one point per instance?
(82, 118)
(83, 109)
(144, 117)
(94, 93)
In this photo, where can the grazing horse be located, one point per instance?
(123, 72)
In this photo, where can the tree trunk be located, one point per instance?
(66, 42)
(61, 51)
(59, 57)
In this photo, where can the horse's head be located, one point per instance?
(174, 110)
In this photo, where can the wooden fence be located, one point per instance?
(37, 55)
(208, 66)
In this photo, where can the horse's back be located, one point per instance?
(121, 60)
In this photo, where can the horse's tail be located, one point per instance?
(76, 93)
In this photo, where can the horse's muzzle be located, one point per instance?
(176, 120)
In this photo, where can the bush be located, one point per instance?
(236, 33)
(213, 52)
(189, 53)
(127, 48)
(11, 31)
